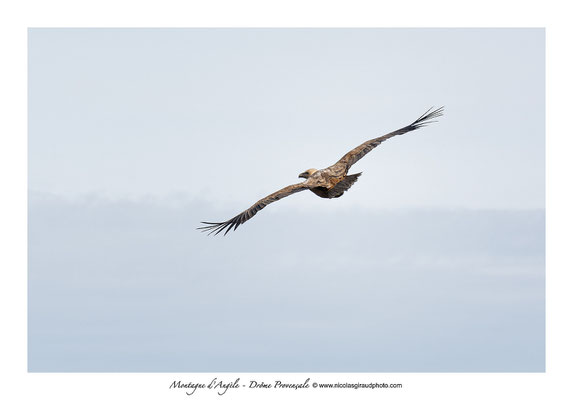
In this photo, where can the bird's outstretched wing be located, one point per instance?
(217, 227)
(356, 154)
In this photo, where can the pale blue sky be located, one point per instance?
(154, 112)
(137, 135)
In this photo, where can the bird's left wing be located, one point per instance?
(357, 153)
(217, 227)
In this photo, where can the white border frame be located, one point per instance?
(16, 17)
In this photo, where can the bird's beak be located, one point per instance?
(303, 175)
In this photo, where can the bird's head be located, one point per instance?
(306, 174)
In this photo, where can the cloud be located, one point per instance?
(132, 286)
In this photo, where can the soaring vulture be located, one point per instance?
(328, 183)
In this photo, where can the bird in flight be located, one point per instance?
(328, 183)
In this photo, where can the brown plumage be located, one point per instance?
(328, 183)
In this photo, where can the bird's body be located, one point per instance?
(328, 183)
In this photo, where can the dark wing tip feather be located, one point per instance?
(218, 227)
(213, 227)
(425, 119)
(427, 116)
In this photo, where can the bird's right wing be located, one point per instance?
(217, 227)
(356, 154)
